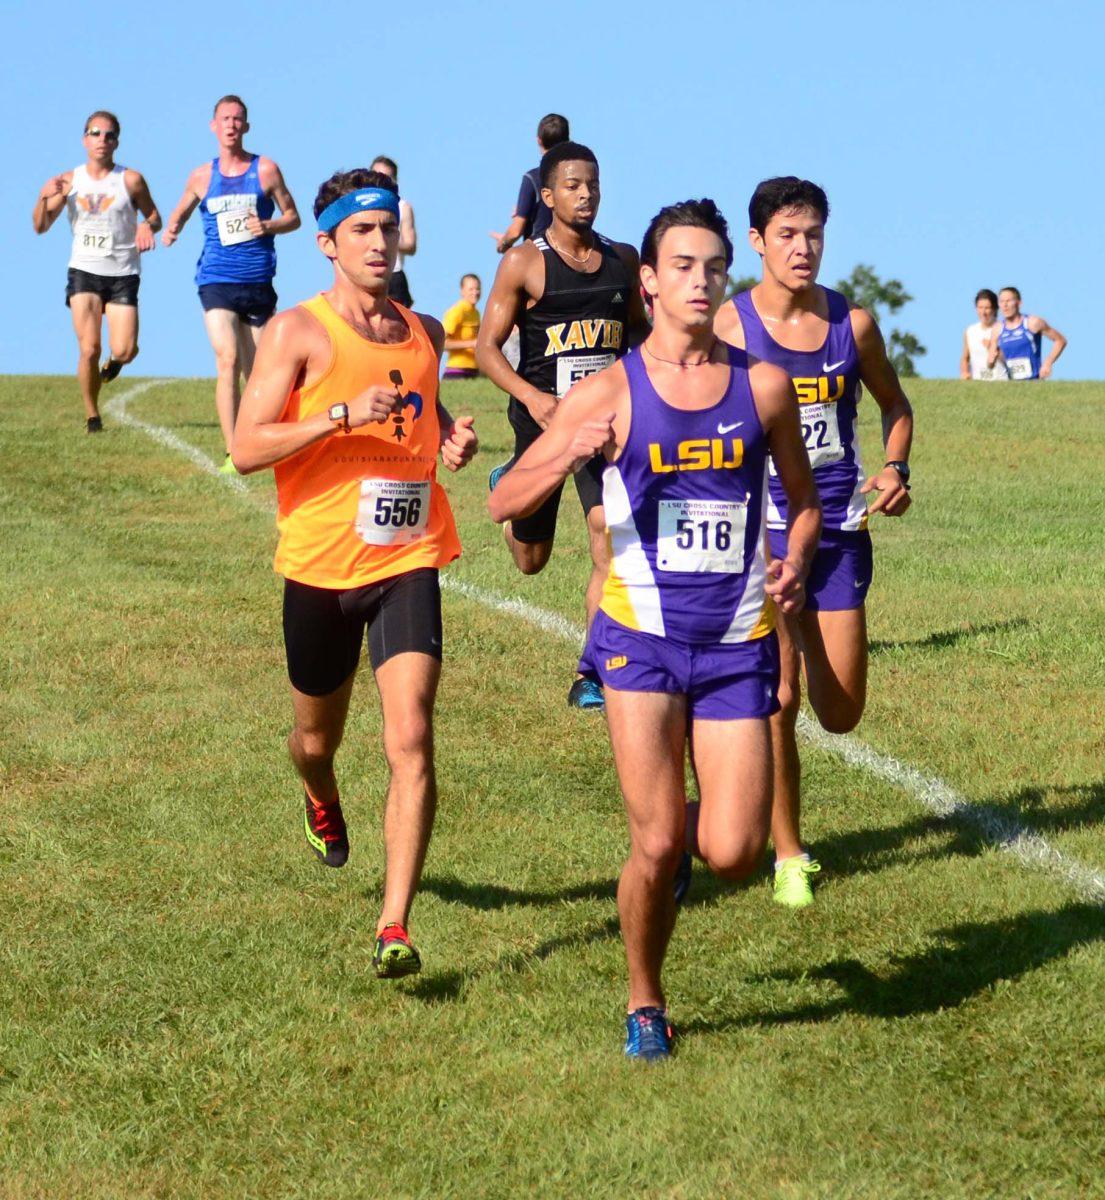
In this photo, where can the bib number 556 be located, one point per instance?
(396, 512)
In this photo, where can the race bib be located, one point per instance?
(701, 536)
(392, 512)
(570, 370)
(1019, 368)
(232, 224)
(821, 434)
(94, 238)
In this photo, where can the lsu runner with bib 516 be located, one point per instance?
(684, 642)
(343, 404)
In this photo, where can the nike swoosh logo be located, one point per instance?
(723, 429)
(859, 583)
(833, 366)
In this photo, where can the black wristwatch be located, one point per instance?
(903, 470)
(339, 412)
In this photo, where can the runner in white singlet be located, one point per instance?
(102, 201)
(975, 360)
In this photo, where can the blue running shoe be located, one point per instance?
(497, 473)
(586, 693)
(681, 885)
(648, 1034)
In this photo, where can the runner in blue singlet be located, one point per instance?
(1020, 340)
(683, 642)
(238, 194)
(827, 347)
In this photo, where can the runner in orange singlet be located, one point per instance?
(342, 403)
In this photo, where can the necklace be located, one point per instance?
(568, 253)
(683, 366)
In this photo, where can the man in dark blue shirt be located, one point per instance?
(532, 215)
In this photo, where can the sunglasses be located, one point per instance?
(109, 135)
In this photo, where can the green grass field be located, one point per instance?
(187, 1007)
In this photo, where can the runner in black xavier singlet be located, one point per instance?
(578, 327)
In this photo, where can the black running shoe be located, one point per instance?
(110, 370)
(95, 425)
(324, 826)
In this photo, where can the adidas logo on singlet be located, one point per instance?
(618, 299)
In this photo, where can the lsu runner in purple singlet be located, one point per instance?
(827, 347)
(683, 641)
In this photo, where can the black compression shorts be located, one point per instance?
(540, 525)
(324, 627)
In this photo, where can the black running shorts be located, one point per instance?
(252, 303)
(112, 289)
(540, 525)
(399, 289)
(324, 627)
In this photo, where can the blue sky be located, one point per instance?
(955, 142)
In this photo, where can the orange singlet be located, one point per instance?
(364, 506)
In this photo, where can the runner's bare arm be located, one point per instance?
(139, 192)
(272, 181)
(727, 325)
(592, 417)
(965, 360)
(778, 413)
(51, 201)
(638, 324)
(882, 382)
(458, 438)
(293, 352)
(993, 348)
(1039, 325)
(194, 191)
(504, 241)
(408, 235)
(505, 308)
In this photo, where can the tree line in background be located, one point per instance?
(865, 288)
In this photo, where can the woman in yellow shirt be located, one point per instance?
(462, 325)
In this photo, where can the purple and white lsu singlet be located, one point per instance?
(827, 384)
(685, 507)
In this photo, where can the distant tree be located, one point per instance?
(741, 284)
(865, 288)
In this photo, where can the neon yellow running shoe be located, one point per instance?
(228, 467)
(792, 887)
(395, 955)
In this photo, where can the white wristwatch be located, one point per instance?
(339, 414)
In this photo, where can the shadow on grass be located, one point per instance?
(967, 960)
(865, 851)
(948, 637)
(1081, 804)
(447, 986)
(488, 896)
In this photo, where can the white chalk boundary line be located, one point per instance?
(1028, 848)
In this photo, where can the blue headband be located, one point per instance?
(362, 200)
